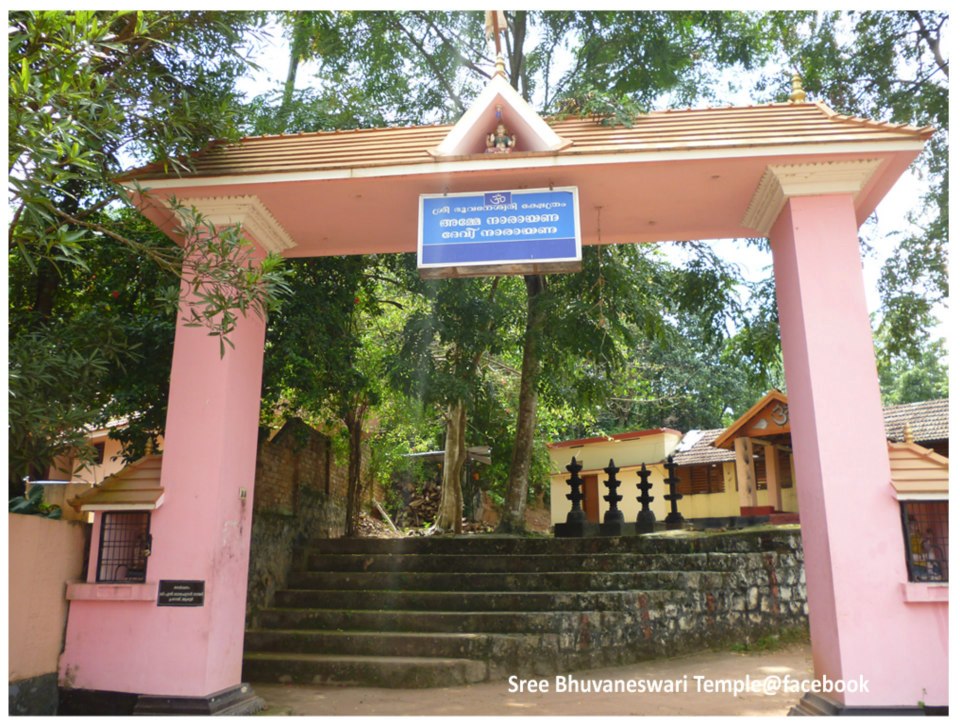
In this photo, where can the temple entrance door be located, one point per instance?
(591, 498)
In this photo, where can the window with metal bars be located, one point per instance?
(124, 546)
(925, 535)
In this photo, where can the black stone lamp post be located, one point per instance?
(674, 519)
(613, 523)
(576, 523)
(646, 519)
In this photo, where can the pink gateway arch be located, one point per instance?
(794, 172)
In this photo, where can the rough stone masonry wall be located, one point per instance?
(299, 494)
(713, 591)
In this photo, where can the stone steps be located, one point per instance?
(447, 645)
(557, 581)
(507, 621)
(455, 601)
(490, 545)
(532, 563)
(442, 611)
(367, 670)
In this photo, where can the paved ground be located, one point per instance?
(718, 669)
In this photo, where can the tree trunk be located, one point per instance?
(48, 280)
(515, 503)
(450, 511)
(354, 422)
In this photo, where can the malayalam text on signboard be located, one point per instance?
(180, 593)
(528, 231)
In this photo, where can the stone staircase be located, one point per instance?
(431, 612)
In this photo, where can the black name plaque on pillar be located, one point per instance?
(180, 593)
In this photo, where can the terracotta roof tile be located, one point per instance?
(929, 420)
(793, 124)
(703, 451)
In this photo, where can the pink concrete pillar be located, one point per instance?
(118, 638)
(860, 623)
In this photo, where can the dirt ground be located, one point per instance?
(698, 673)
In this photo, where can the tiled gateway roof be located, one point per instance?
(777, 124)
(929, 421)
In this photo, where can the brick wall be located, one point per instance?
(299, 494)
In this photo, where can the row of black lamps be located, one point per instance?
(613, 521)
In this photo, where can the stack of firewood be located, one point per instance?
(476, 527)
(422, 507)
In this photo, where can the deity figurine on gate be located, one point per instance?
(499, 142)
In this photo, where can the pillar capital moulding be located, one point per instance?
(248, 211)
(783, 181)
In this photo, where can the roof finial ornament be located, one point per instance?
(797, 94)
(495, 23)
(907, 433)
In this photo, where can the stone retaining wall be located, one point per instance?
(734, 588)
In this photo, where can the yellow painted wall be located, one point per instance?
(44, 555)
(702, 505)
(788, 497)
(707, 505)
(595, 456)
(626, 454)
(559, 488)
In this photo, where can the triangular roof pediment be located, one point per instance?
(769, 416)
(134, 488)
(918, 472)
(468, 136)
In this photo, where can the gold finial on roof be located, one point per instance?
(501, 69)
(907, 433)
(148, 448)
(797, 94)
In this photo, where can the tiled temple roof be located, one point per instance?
(771, 125)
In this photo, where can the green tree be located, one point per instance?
(888, 65)
(425, 66)
(314, 364)
(439, 362)
(91, 92)
(904, 379)
(380, 57)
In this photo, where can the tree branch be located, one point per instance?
(428, 58)
(165, 261)
(934, 43)
(455, 46)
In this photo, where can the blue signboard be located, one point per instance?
(499, 232)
